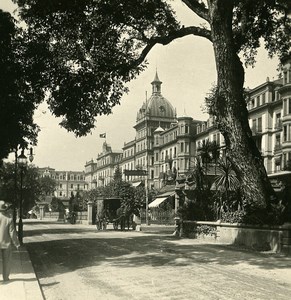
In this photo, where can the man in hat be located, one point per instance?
(8, 237)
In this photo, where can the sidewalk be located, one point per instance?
(23, 284)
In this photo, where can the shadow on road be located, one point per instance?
(124, 250)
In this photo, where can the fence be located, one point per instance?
(81, 216)
(159, 216)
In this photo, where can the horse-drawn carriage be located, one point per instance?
(110, 211)
(123, 219)
(120, 218)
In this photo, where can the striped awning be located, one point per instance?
(135, 184)
(161, 198)
(157, 202)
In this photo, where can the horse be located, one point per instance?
(124, 217)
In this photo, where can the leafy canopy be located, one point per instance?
(90, 49)
(20, 88)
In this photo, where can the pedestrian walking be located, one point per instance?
(98, 221)
(8, 237)
(104, 222)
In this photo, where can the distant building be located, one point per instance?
(163, 146)
(68, 183)
(269, 108)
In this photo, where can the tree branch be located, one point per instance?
(165, 40)
(198, 8)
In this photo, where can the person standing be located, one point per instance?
(8, 237)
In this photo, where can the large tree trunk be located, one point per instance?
(231, 112)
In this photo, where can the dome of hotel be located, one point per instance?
(156, 105)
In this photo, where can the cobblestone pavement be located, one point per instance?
(79, 262)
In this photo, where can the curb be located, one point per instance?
(23, 284)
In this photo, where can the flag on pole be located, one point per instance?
(102, 135)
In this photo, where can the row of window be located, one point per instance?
(257, 125)
(128, 152)
(202, 127)
(179, 164)
(286, 104)
(62, 194)
(72, 186)
(257, 101)
(172, 152)
(141, 146)
(71, 177)
(104, 161)
(172, 135)
(141, 133)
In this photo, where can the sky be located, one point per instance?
(187, 69)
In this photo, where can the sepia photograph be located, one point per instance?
(145, 149)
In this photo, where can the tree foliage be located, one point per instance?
(226, 179)
(91, 196)
(20, 88)
(10, 188)
(76, 203)
(132, 198)
(8, 183)
(47, 185)
(92, 48)
(57, 205)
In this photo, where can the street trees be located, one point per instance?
(96, 47)
(47, 185)
(57, 205)
(132, 198)
(20, 91)
(31, 188)
(8, 183)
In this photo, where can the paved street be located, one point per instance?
(78, 262)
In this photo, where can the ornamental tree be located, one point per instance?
(95, 47)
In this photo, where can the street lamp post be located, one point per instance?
(22, 161)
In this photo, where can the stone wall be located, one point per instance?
(82, 217)
(54, 216)
(264, 238)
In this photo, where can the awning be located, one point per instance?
(136, 184)
(280, 174)
(157, 202)
(161, 199)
